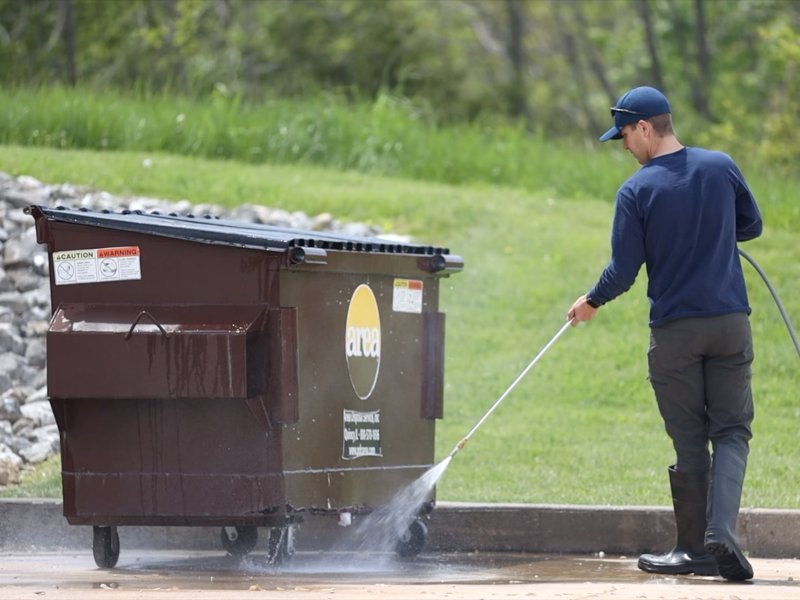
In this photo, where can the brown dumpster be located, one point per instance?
(211, 372)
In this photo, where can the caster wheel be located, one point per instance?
(239, 540)
(105, 546)
(413, 540)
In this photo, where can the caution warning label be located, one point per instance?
(96, 265)
(407, 296)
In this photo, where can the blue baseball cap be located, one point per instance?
(633, 106)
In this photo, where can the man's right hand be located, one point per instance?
(581, 311)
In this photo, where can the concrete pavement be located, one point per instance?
(475, 551)
(184, 575)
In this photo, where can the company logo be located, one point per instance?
(362, 341)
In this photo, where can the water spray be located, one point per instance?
(519, 378)
(396, 520)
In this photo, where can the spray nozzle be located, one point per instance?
(459, 446)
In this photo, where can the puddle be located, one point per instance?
(162, 570)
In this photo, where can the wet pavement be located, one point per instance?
(180, 575)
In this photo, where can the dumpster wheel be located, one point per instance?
(413, 540)
(239, 540)
(105, 546)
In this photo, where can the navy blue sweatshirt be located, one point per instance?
(681, 214)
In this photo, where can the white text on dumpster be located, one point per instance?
(361, 435)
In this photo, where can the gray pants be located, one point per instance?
(700, 372)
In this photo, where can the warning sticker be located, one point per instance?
(407, 296)
(362, 434)
(96, 265)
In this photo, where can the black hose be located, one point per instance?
(773, 291)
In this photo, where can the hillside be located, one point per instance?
(583, 427)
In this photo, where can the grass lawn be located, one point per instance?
(582, 427)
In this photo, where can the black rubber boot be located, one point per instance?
(725, 495)
(689, 493)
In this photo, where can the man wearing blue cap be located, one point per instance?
(682, 214)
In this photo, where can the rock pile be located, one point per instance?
(28, 432)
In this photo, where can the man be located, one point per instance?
(681, 214)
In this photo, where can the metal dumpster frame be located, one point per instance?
(196, 369)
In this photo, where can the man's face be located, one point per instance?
(635, 141)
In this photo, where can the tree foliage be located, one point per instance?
(729, 66)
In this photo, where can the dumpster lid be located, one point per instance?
(210, 229)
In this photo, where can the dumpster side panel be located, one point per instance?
(394, 424)
(177, 461)
(178, 429)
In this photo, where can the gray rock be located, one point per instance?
(36, 352)
(39, 379)
(39, 413)
(9, 407)
(322, 221)
(35, 328)
(24, 279)
(14, 300)
(5, 432)
(20, 250)
(47, 432)
(18, 443)
(39, 313)
(37, 452)
(6, 451)
(37, 298)
(11, 364)
(36, 394)
(10, 465)
(10, 340)
(22, 427)
(7, 315)
(21, 393)
(6, 283)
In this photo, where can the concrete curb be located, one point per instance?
(38, 524)
(628, 530)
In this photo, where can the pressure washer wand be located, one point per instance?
(519, 378)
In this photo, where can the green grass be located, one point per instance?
(388, 136)
(43, 481)
(582, 427)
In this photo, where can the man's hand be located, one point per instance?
(581, 311)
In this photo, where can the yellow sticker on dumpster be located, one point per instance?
(96, 265)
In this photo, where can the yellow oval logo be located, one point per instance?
(362, 341)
